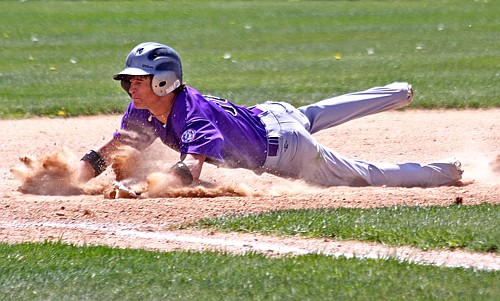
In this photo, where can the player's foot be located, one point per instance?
(458, 165)
(410, 93)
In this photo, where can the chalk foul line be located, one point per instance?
(131, 236)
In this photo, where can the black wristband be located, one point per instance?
(182, 171)
(96, 161)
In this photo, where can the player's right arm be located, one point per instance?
(95, 161)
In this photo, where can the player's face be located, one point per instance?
(142, 93)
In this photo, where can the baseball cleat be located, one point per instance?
(458, 165)
(410, 93)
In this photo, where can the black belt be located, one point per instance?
(272, 142)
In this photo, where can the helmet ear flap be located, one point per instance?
(125, 85)
(164, 83)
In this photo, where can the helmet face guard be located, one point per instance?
(154, 59)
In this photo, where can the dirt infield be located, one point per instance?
(471, 136)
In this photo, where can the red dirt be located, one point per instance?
(471, 136)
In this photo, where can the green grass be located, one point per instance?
(63, 272)
(57, 57)
(473, 228)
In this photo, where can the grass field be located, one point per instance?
(473, 228)
(61, 272)
(58, 58)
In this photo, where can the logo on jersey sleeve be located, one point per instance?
(188, 136)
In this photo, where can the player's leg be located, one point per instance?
(309, 160)
(415, 174)
(357, 172)
(337, 110)
(299, 155)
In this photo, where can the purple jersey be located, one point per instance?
(225, 133)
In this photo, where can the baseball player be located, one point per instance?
(273, 137)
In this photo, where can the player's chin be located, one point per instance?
(137, 103)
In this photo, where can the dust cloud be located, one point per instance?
(55, 174)
(51, 174)
(482, 168)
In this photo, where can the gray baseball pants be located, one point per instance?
(299, 155)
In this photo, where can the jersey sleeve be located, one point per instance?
(195, 123)
(202, 137)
